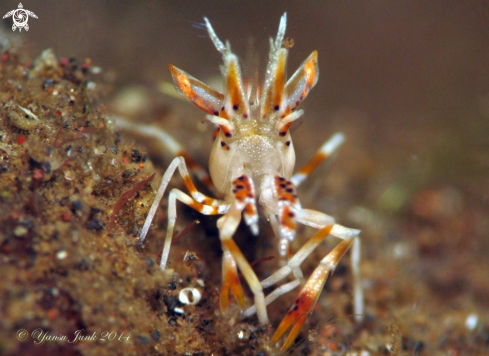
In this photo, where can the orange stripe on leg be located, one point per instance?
(294, 331)
(309, 295)
(324, 152)
(202, 175)
(251, 279)
(208, 209)
(189, 184)
(230, 282)
(313, 163)
(243, 264)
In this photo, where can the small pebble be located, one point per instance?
(20, 231)
(25, 120)
(178, 311)
(61, 255)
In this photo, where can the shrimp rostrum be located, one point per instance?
(252, 162)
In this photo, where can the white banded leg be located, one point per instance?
(292, 264)
(175, 195)
(179, 163)
(227, 225)
(325, 224)
(324, 152)
(276, 229)
(308, 296)
(317, 220)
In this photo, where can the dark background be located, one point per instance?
(395, 64)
